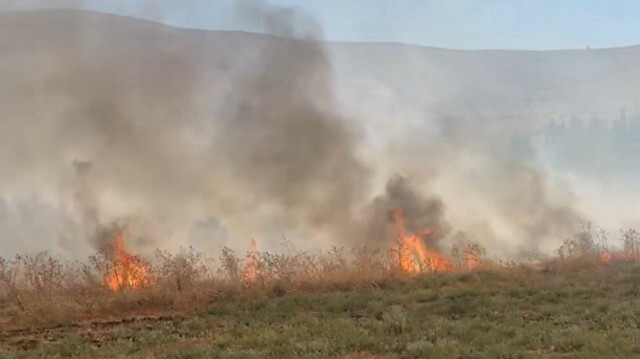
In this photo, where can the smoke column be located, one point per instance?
(161, 141)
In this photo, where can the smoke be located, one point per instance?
(281, 137)
(102, 135)
(159, 141)
(419, 213)
(129, 141)
(490, 191)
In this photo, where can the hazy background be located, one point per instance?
(209, 138)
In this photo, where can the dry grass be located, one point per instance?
(564, 309)
(36, 290)
(39, 294)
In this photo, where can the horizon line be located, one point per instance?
(337, 42)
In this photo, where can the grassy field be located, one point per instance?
(581, 308)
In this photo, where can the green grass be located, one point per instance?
(574, 311)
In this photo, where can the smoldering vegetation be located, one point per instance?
(109, 120)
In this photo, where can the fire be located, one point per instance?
(251, 264)
(127, 270)
(414, 256)
(606, 257)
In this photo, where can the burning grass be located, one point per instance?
(578, 307)
(414, 256)
(124, 270)
(408, 300)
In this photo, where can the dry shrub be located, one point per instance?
(39, 289)
(182, 271)
(230, 268)
(586, 243)
(45, 288)
(589, 249)
(303, 271)
(631, 244)
(182, 281)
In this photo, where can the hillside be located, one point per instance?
(532, 84)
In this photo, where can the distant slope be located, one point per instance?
(498, 83)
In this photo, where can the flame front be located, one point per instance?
(251, 264)
(127, 270)
(414, 257)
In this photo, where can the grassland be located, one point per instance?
(578, 308)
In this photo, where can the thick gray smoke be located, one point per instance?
(126, 142)
(101, 135)
(418, 213)
(165, 139)
(281, 135)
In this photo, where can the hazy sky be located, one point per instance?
(465, 24)
(462, 24)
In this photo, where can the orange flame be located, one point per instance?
(606, 257)
(127, 270)
(251, 263)
(414, 256)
